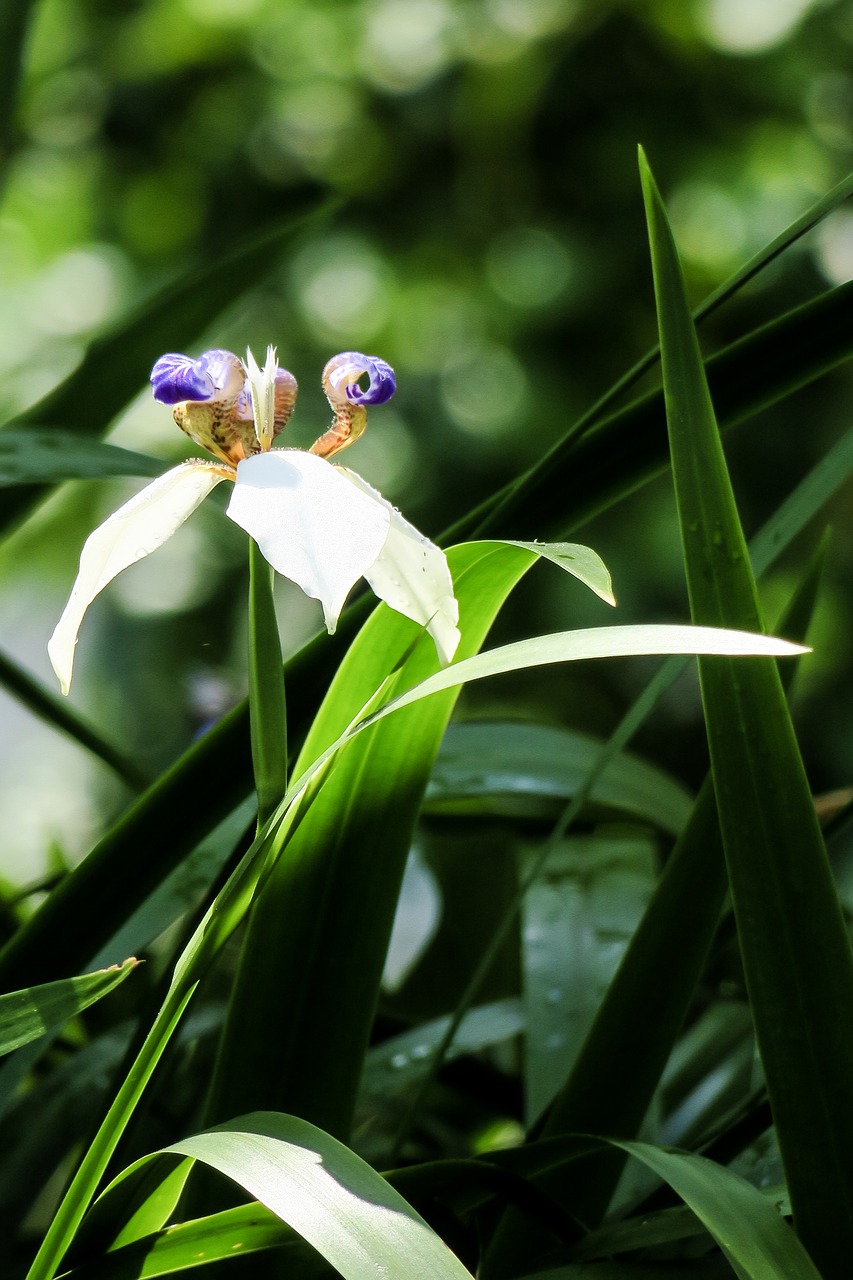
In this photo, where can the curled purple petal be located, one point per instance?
(215, 375)
(341, 375)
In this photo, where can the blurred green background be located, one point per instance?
(489, 242)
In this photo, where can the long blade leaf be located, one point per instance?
(755, 1238)
(330, 1196)
(795, 949)
(26, 1015)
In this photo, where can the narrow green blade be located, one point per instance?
(57, 712)
(26, 1015)
(796, 954)
(583, 475)
(594, 642)
(233, 1233)
(15, 18)
(338, 881)
(499, 506)
(267, 710)
(42, 456)
(757, 1241)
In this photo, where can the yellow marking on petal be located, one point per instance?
(214, 427)
(349, 423)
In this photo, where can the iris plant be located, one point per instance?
(317, 523)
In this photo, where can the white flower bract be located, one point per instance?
(311, 525)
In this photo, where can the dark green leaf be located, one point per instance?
(509, 767)
(267, 712)
(327, 1194)
(338, 883)
(15, 16)
(585, 474)
(745, 1224)
(41, 456)
(794, 945)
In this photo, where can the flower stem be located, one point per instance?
(267, 712)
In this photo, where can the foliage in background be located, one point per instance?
(574, 1057)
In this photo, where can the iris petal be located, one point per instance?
(341, 375)
(312, 526)
(412, 576)
(139, 527)
(215, 375)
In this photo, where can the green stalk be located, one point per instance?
(793, 939)
(267, 711)
(70, 1213)
(210, 936)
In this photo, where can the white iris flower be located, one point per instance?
(318, 524)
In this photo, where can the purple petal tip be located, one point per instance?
(341, 375)
(214, 375)
(382, 384)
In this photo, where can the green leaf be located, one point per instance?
(611, 1270)
(582, 562)
(394, 1065)
(15, 17)
(145, 845)
(586, 473)
(42, 456)
(218, 924)
(337, 894)
(26, 1015)
(521, 494)
(612, 1083)
(794, 945)
(135, 1205)
(188, 885)
(338, 883)
(184, 1246)
(267, 711)
(327, 1194)
(522, 770)
(649, 1230)
(755, 1238)
(576, 921)
(594, 642)
(58, 713)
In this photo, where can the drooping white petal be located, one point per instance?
(311, 524)
(411, 575)
(139, 527)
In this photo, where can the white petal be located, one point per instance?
(312, 526)
(139, 527)
(411, 575)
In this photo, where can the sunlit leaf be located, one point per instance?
(26, 1015)
(335, 1201)
(582, 562)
